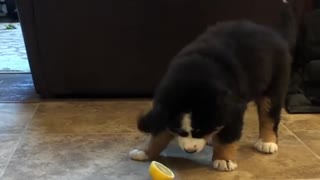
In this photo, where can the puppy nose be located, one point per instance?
(190, 150)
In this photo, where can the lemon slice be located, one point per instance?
(159, 171)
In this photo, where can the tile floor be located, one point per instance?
(91, 140)
(13, 56)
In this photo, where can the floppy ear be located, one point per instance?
(153, 121)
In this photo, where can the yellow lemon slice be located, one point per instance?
(159, 171)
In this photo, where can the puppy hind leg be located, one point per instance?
(270, 105)
(269, 119)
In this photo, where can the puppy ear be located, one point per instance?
(154, 121)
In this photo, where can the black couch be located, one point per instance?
(121, 48)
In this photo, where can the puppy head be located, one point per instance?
(195, 123)
(193, 135)
(206, 118)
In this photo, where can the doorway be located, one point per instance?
(16, 84)
(13, 56)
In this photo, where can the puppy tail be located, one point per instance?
(288, 25)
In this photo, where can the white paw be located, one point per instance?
(284, 1)
(138, 155)
(266, 147)
(224, 165)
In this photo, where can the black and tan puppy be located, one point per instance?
(206, 89)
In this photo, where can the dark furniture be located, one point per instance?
(304, 90)
(122, 47)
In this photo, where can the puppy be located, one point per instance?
(204, 93)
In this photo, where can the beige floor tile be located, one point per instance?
(91, 140)
(8, 144)
(252, 165)
(306, 127)
(106, 157)
(293, 161)
(87, 117)
(300, 122)
(311, 139)
(75, 157)
(14, 117)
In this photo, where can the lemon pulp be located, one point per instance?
(159, 171)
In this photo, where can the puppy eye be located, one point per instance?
(180, 132)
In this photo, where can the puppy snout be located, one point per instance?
(190, 150)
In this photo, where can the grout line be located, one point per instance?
(28, 123)
(315, 154)
(18, 143)
(10, 157)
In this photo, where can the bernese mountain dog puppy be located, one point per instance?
(204, 94)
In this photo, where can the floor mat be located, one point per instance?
(13, 57)
(17, 88)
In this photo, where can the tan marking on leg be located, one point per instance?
(264, 104)
(224, 151)
(156, 144)
(266, 123)
(210, 137)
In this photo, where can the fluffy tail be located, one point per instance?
(288, 26)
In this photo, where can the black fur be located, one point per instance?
(215, 77)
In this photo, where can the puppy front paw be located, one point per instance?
(224, 165)
(138, 155)
(265, 147)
